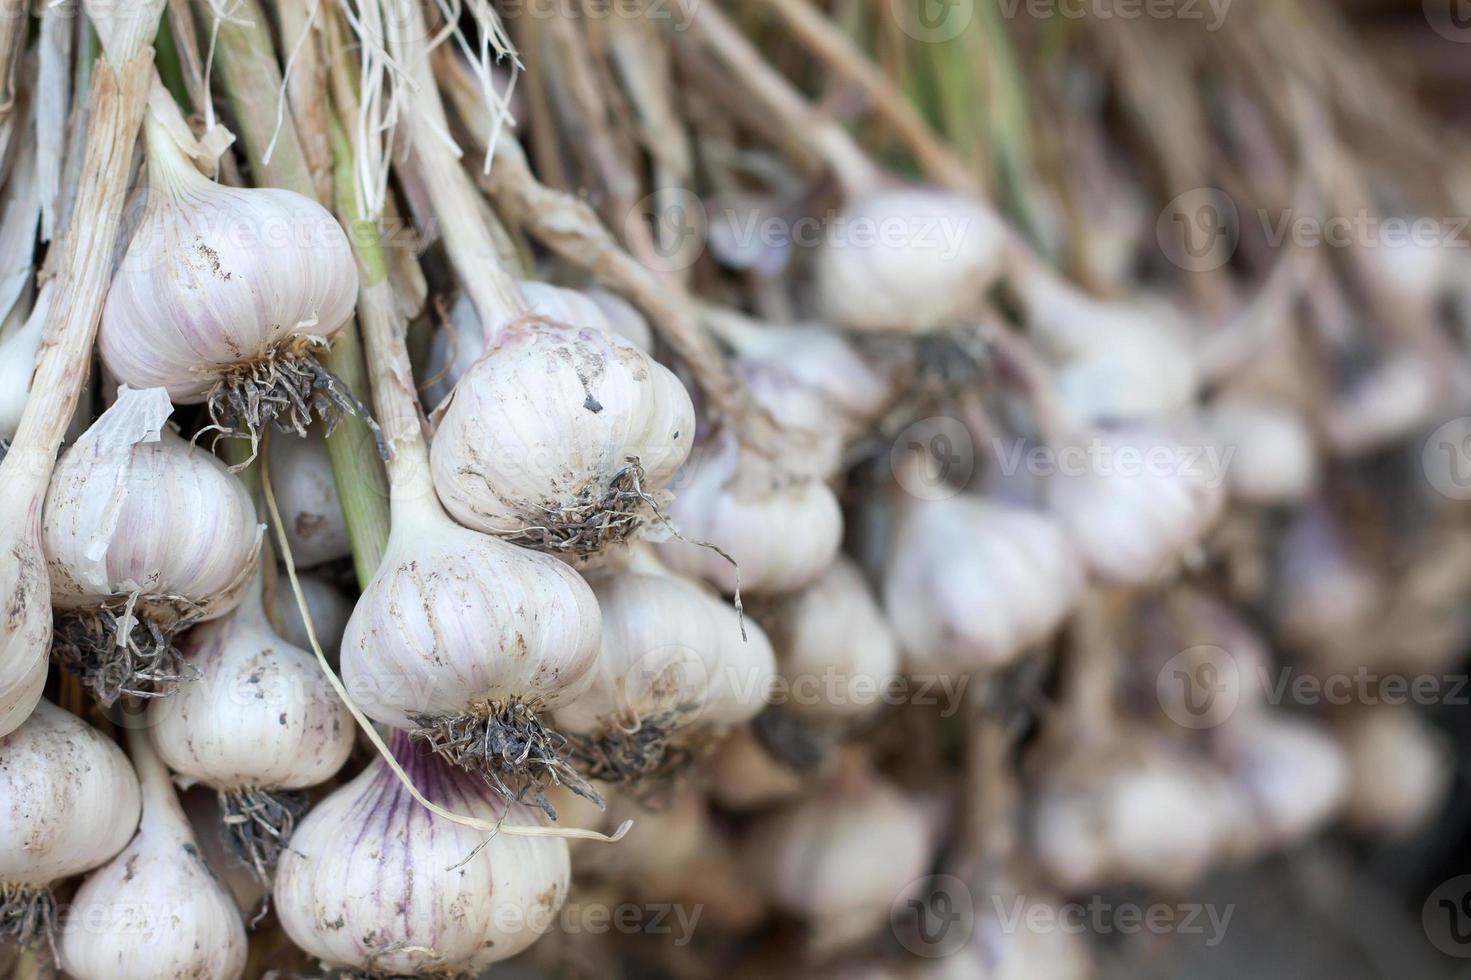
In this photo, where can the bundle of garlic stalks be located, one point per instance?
(787, 488)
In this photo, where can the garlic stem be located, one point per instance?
(824, 136)
(471, 248)
(161, 807)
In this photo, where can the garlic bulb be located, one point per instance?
(164, 913)
(1128, 813)
(1019, 934)
(559, 436)
(330, 609)
(465, 638)
(306, 493)
(621, 317)
(781, 529)
(372, 881)
(1133, 501)
(1325, 596)
(842, 857)
(837, 652)
(71, 803)
(1294, 773)
(802, 414)
(126, 570)
(744, 776)
(226, 295)
(1386, 404)
(258, 724)
(1401, 771)
(1274, 461)
(907, 261)
(971, 583)
(671, 658)
(25, 603)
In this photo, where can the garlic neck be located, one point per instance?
(161, 809)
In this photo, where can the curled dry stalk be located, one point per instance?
(258, 823)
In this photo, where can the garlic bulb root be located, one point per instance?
(257, 824)
(119, 648)
(27, 914)
(509, 746)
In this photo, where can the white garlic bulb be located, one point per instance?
(1385, 405)
(558, 436)
(330, 608)
(460, 633)
(842, 857)
(162, 912)
(805, 417)
(258, 722)
(25, 593)
(1131, 813)
(837, 652)
(744, 776)
(1401, 770)
(971, 583)
(373, 881)
(1020, 933)
(782, 529)
(1326, 596)
(908, 260)
(1294, 773)
(1132, 501)
(144, 533)
(622, 318)
(71, 803)
(306, 494)
(665, 646)
(225, 293)
(1273, 461)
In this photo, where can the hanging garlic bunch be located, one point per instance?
(1133, 501)
(127, 573)
(306, 494)
(258, 725)
(1400, 770)
(1274, 462)
(843, 856)
(71, 803)
(1295, 775)
(836, 649)
(156, 910)
(673, 657)
(780, 529)
(971, 583)
(226, 295)
(908, 260)
(373, 881)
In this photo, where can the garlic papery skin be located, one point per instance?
(971, 583)
(306, 493)
(1400, 771)
(658, 671)
(71, 803)
(907, 261)
(1133, 501)
(1274, 460)
(781, 528)
(258, 723)
(836, 649)
(1295, 774)
(156, 910)
(225, 295)
(373, 881)
(459, 632)
(559, 437)
(18, 348)
(330, 609)
(842, 857)
(144, 533)
(1131, 813)
(25, 600)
